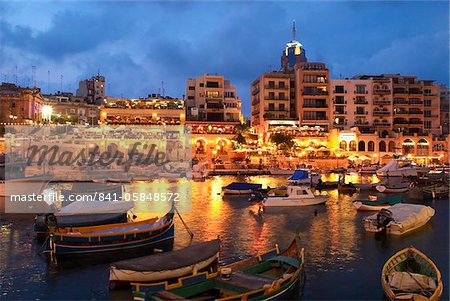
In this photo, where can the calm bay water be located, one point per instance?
(343, 262)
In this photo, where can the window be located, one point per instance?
(360, 89)
(190, 97)
(343, 145)
(382, 146)
(281, 95)
(191, 88)
(271, 107)
(212, 84)
(352, 146)
(212, 94)
(427, 102)
(229, 94)
(361, 146)
(281, 107)
(427, 113)
(338, 89)
(427, 124)
(371, 146)
(271, 95)
(201, 84)
(13, 105)
(271, 84)
(281, 85)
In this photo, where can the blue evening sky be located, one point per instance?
(137, 45)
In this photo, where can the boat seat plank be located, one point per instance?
(288, 260)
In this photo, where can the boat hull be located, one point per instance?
(122, 275)
(293, 202)
(363, 207)
(237, 192)
(384, 189)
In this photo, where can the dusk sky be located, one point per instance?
(136, 45)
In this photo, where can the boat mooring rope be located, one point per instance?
(184, 224)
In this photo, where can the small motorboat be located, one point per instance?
(165, 266)
(400, 168)
(411, 275)
(301, 176)
(269, 276)
(435, 192)
(399, 219)
(296, 196)
(238, 188)
(375, 204)
(404, 187)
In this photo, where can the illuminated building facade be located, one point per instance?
(20, 105)
(152, 110)
(445, 109)
(212, 98)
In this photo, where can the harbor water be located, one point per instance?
(343, 262)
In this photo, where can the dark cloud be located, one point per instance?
(136, 45)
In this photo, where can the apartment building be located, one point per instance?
(93, 89)
(212, 98)
(65, 108)
(273, 101)
(445, 109)
(313, 94)
(363, 102)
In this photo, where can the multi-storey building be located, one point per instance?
(445, 109)
(313, 94)
(65, 108)
(212, 98)
(152, 110)
(362, 102)
(20, 105)
(93, 89)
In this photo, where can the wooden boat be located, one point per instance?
(296, 196)
(165, 266)
(435, 192)
(393, 189)
(109, 238)
(411, 275)
(238, 188)
(399, 219)
(376, 205)
(368, 170)
(274, 275)
(279, 171)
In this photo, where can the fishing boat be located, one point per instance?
(411, 275)
(435, 192)
(404, 187)
(399, 168)
(296, 196)
(399, 219)
(274, 275)
(376, 205)
(109, 238)
(165, 266)
(238, 188)
(301, 176)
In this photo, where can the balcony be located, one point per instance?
(382, 91)
(429, 94)
(310, 118)
(361, 123)
(381, 102)
(275, 98)
(340, 113)
(316, 105)
(404, 112)
(414, 91)
(361, 113)
(401, 102)
(381, 113)
(276, 87)
(360, 92)
(275, 110)
(361, 102)
(415, 112)
(340, 102)
(314, 92)
(432, 116)
(377, 123)
(416, 102)
(340, 91)
(401, 121)
(400, 91)
(255, 91)
(415, 122)
(255, 101)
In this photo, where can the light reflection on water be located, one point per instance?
(338, 251)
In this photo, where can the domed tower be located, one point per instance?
(293, 53)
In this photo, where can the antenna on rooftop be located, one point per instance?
(294, 30)
(15, 76)
(162, 89)
(48, 81)
(61, 83)
(33, 75)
